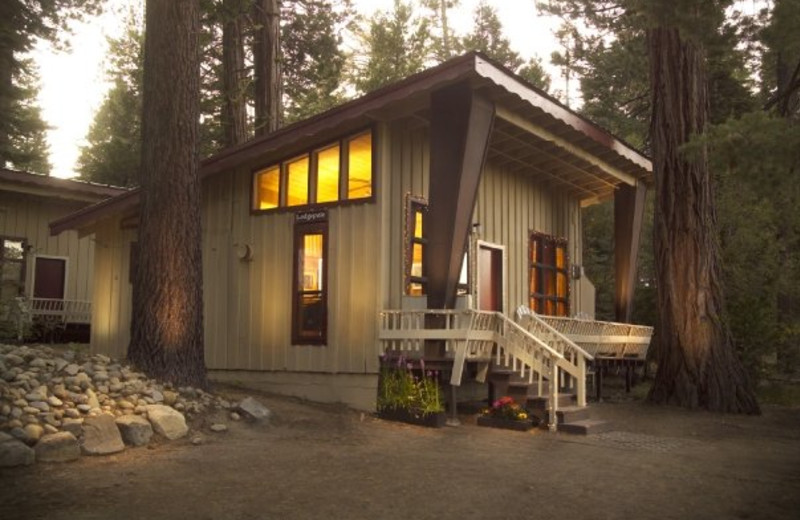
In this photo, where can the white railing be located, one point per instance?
(472, 335)
(574, 358)
(65, 311)
(605, 339)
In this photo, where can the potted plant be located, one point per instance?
(506, 413)
(409, 393)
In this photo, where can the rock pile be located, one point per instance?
(62, 403)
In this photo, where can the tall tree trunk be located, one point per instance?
(267, 65)
(234, 116)
(697, 365)
(167, 317)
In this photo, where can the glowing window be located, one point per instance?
(297, 182)
(267, 192)
(547, 278)
(310, 313)
(328, 174)
(359, 170)
(415, 247)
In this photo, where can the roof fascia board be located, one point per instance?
(542, 102)
(562, 143)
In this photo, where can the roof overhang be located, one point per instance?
(40, 185)
(534, 134)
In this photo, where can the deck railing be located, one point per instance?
(65, 311)
(473, 335)
(605, 339)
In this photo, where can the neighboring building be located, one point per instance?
(52, 273)
(309, 233)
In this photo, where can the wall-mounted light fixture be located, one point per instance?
(244, 252)
(577, 271)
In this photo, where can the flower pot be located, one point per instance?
(507, 424)
(430, 420)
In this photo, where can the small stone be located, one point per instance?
(16, 412)
(35, 396)
(40, 405)
(125, 405)
(60, 363)
(166, 421)
(72, 413)
(14, 423)
(140, 409)
(235, 416)
(101, 376)
(72, 369)
(254, 410)
(59, 391)
(58, 447)
(15, 453)
(85, 408)
(197, 440)
(219, 427)
(157, 396)
(170, 397)
(101, 436)
(33, 432)
(37, 362)
(49, 428)
(13, 359)
(91, 399)
(31, 410)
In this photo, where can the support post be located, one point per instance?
(628, 216)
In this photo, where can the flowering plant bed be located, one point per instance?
(505, 413)
(408, 393)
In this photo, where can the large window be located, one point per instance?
(415, 246)
(548, 275)
(12, 272)
(310, 313)
(336, 172)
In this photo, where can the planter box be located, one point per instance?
(431, 420)
(507, 424)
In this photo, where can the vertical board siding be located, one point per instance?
(248, 304)
(508, 207)
(28, 217)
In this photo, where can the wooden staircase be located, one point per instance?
(570, 418)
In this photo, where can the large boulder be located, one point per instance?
(135, 430)
(101, 436)
(15, 453)
(167, 421)
(58, 447)
(253, 410)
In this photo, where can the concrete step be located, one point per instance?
(585, 427)
(568, 414)
(543, 402)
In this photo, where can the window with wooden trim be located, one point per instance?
(12, 272)
(415, 246)
(336, 172)
(310, 285)
(548, 268)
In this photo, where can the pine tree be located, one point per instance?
(487, 37)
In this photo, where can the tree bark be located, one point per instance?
(167, 317)
(267, 65)
(697, 365)
(234, 115)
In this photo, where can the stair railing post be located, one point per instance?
(552, 418)
(581, 383)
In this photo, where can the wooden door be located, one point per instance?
(49, 277)
(490, 278)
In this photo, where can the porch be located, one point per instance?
(549, 358)
(52, 315)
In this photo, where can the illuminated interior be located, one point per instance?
(359, 173)
(297, 182)
(268, 184)
(328, 174)
(548, 282)
(310, 312)
(311, 263)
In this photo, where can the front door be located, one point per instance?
(49, 277)
(490, 278)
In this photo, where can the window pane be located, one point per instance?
(562, 309)
(535, 250)
(549, 282)
(311, 317)
(547, 253)
(311, 265)
(462, 276)
(418, 223)
(359, 170)
(416, 260)
(328, 174)
(561, 257)
(297, 182)
(535, 281)
(11, 272)
(561, 285)
(12, 249)
(415, 289)
(268, 184)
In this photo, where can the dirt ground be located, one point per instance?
(317, 461)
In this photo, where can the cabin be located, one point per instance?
(419, 217)
(46, 283)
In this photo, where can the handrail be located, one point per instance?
(530, 315)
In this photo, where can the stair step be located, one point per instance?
(543, 402)
(568, 414)
(585, 427)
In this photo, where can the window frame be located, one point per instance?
(22, 261)
(412, 204)
(542, 296)
(300, 231)
(311, 154)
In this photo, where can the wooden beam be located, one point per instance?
(461, 124)
(541, 133)
(628, 217)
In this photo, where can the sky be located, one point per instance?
(73, 83)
